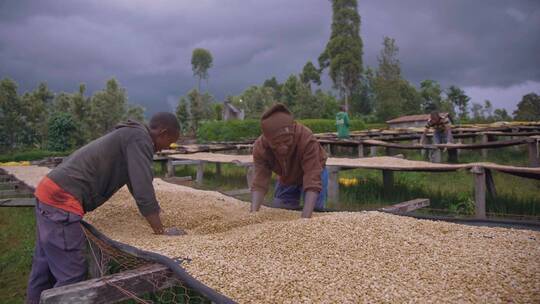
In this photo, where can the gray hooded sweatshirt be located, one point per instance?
(96, 171)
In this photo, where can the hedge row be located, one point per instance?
(237, 130)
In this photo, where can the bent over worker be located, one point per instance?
(83, 182)
(290, 150)
(442, 128)
(342, 123)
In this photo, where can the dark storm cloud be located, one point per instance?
(147, 45)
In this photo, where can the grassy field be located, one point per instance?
(17, 235)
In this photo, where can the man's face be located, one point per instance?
(282, 144)
(165, 138)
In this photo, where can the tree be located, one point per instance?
(107, 108)
(134, 112)
(276, 87)
(10, 119)
(363, 98)
(343, 52)
(389, 65)
(289, 91)
(477, 112)
(201, 61)
(62, 127)
(430, 91)
(200, 107)
(35, 114)
(488, 110)
(310, 74)
(459, 100)
(528, 108)
(182, 114)
(501, 115)
(254, 101)
(393, 95)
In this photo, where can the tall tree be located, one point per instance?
(460, 100)
(289, 91)
(394, 96)
(430, 91)
(528, 108)
(10, 118)
(389, 65)
(501, 115)
(477, 111)
(201, 61)
(107, 108)
(182, 114)
(310, 74)
(343, 52)
(276, 87)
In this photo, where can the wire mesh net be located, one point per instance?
(154, 283)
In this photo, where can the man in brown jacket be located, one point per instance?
(291, 151)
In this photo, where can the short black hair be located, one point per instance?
(164, 120)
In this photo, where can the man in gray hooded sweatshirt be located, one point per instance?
(83, 182)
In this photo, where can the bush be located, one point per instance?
(237, 130)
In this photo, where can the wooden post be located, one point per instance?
(163, 167)
(170, 168)
(333, 184)
(533, 153)
(360, 151)
(328, 149)
(200, 173)
(485, 140)
(453, 155)
(436, 155)
(250, 173)
(218, 169)
(373, 151)
(479, 192)
(388, 179)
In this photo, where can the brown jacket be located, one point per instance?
(303, 166)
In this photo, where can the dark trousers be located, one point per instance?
(59, 257)
(288, 196)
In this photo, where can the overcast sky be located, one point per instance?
(489, 48)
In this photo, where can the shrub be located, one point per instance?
(237, 130)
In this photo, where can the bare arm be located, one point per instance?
(309, 203)
(449, 135)
(257, 198)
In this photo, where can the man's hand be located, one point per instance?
(257, 198)
(173, 231)
(309, 203)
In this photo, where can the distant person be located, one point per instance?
(442, 128)
(83, 182)
(342, 123)
(290, 150)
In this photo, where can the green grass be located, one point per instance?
(30, 155)
(17, 236)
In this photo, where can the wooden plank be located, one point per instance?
(15, 193)
(18, 202)
(479, 192)
(407, 206)
(110, 289)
